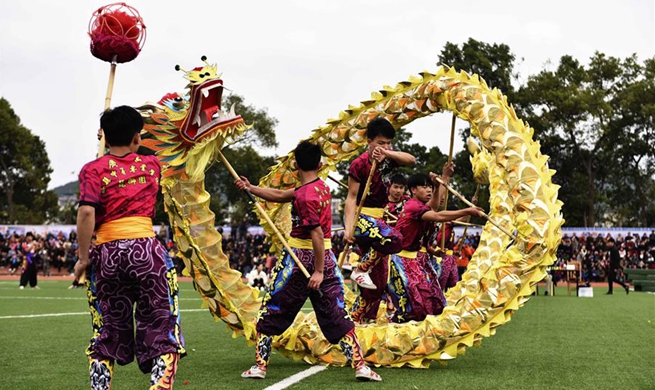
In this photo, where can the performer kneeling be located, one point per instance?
(289, 289)
(409, 282)
(131, 276)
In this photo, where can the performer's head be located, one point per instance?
(308, 156)
(398, 186)
(420, 186)
(121, 126)
(380, 133)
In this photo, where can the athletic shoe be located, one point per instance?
(255, 372)
(363, 279)
(22, 287)
(366, 374)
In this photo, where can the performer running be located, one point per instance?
(131, 277)
(289, 289)
(410, 277)
(372, 232)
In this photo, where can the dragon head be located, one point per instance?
(185, 129)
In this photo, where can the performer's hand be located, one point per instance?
(476, 212)
(80, 267)
(348, 236)
(474, 200)
(448, 170)
(242, 184)
(379, 154)
(315, 281)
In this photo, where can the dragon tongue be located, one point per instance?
(209, 112)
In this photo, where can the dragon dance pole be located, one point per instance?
(262, 212)
(450, 159)
(485, 215)
(343, 257)
(110, 91)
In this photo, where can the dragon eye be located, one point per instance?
(178, 99)
(201, 75)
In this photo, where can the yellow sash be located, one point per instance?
(306, 243)
(125, 229)
(375, 212)
(408, 254)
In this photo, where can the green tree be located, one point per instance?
(584, 118)
(24, 173)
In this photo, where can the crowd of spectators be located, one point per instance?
(49, 252)
(250, 253)
(592, 252)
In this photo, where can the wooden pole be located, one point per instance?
(450, 159)
(262, 212)
(466, 201)
(110, 91)
(346, 251)
(462, 238)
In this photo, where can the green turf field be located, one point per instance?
(560, 342)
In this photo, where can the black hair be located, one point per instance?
(380, 126)
(308, 155)
(120, 124)
(418, 179)
(398, 178)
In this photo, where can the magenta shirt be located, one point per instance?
(359, 170)
(119, 187)
(311, 206)
(411, 225)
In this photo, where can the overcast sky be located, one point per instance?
(303, 60)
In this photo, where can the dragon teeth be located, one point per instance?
(232, 114)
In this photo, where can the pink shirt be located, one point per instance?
(411, 225)
(119, 187)
(359, 171)
(311, 207)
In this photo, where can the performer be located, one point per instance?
(410, 277)
(28, 271)
(130, 276)
(397, 198)
(289, 288)
(372, 232)
(612, 268)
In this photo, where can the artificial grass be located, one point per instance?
(560, 342)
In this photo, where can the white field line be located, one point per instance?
(81, 313)
(80, 298)
(293, 379)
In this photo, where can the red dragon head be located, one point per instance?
(182, 128)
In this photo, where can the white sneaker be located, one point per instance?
(22, 287)
(255, 372)
(366, 374)
(363, 279)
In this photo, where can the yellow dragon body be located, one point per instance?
(500, 277)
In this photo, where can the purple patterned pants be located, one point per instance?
(288, 291)
(133, 281)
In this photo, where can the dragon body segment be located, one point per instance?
(500, 277)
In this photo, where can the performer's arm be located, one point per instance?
(86, 219)
(318, 244)
(350, 207)
(269, 194)
(401, 158)
(449, 215)
(446, 174)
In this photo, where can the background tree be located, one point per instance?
(24, 173)
(602, 150)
